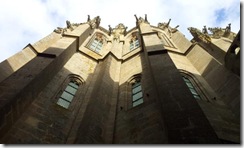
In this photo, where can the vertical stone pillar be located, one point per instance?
(183, 117)
(97, 124)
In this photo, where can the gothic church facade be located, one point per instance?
(85, 84)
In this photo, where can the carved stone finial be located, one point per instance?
(204, 30)
(228, 28)
(60, 30)
(136, 18)
(141, 20)
(125, 30)
(227, 31)
(167, 28)
(69, 26)
(216, 32)
(95, 22)
(98, 20)
(167, 25)
(164, 25)
(88, 18)
(110, 29)
(146, 17)
(173, 30)
(119, 30)
(197, 34)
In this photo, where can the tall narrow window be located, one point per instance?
(67, 94)
(134, 42)
(97, 43)
(191, 87)
(137, 97)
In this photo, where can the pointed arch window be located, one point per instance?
(136, 91)
(137, 97)
(134, 42)
(97, 43)
(69, 92)
(191, 88)
(196, 88)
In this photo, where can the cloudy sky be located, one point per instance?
(27, 21)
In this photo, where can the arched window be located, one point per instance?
(69, 91)
(96, 43)
(191, 88)
(136, 91)
(134, 42)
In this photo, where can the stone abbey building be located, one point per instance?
(86, 84)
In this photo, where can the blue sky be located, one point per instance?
(27, 21)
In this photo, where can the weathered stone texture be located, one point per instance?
(101, 111)
(180, 41)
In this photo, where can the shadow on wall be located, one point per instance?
(224, 83)
(141, 124)
(97, 124)
(44, 121)
(13, 63)
(92, 118)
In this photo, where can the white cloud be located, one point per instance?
(27, 21)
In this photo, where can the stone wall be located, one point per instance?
(97, 124)
(218, 77)
(44, 121)
(12, 64)
(101, 111)
(140, 124)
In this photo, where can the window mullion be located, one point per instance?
(137, 99)
(65, 99)
(136, 92)
(69, 93)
